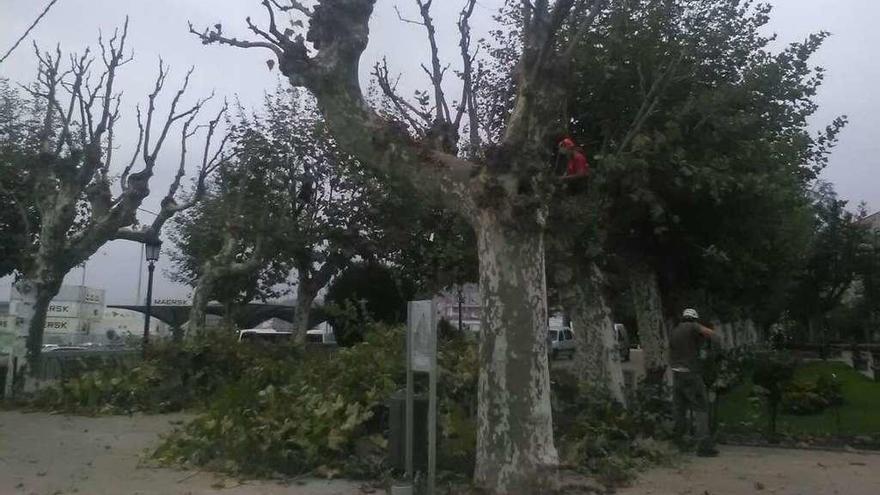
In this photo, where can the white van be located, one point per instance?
(321, 334)
(561, 341)
(264, 335)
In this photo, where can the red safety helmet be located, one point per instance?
(567, 143)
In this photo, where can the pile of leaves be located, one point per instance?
(173, 377)
(328, 415)
(804, 397)
(324, 414)
(600, 438)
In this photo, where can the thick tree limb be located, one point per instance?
(338, 31)
(436, 73)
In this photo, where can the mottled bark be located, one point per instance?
(649, 318)
(305, 297)
(598, 359)
(515, 449)
(225, 262)
(35, 296)
(200, 299)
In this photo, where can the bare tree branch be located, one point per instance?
(137, 150)
(436, 73)
(649, 104)
(403, 107)
(215, 36)
(169, 205)
(292, 5)
(468, 100)
(28, 30)
(584, 25)
(150, 155)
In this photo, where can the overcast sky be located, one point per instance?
(158, 28)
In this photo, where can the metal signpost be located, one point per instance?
(421, 356)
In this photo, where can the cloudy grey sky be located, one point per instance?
(158, 28)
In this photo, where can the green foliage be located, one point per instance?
(146, 387)
(327, 414)
(457, 395)
(602, 438)
(839, 250)
(19, 216)
(171, 379)
(855, 417)
(290, 200)
(701, 147)
(724, 370)
(771, 376)
(363, 293)
(324, 413)
(812, 396)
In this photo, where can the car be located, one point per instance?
(321, 334)
(64, 348)
(560, 340)
(621, 336)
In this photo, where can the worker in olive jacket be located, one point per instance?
(689, 390)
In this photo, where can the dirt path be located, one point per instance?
(748, 470)
(45, 454)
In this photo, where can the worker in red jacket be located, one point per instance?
(578, 167)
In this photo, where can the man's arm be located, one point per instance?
(710, 334)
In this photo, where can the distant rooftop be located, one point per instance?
(872, 220)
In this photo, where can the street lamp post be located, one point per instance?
(151, 252)
(460, 304)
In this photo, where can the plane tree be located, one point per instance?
(503, 192)
(66, 176)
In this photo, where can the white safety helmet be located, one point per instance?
(690, 313)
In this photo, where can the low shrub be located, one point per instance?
(772, 375)
(812, 396)
(726, 369)
(601, 438)
(457, 403)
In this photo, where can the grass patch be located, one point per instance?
(859, 414)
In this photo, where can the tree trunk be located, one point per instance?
(35, 298)
(201, 297)
(597, 358)
(649, 317)
(229, 315)
(304, 299)
(515, 449)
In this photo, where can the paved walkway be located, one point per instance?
(46, 454)
(756, 470)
